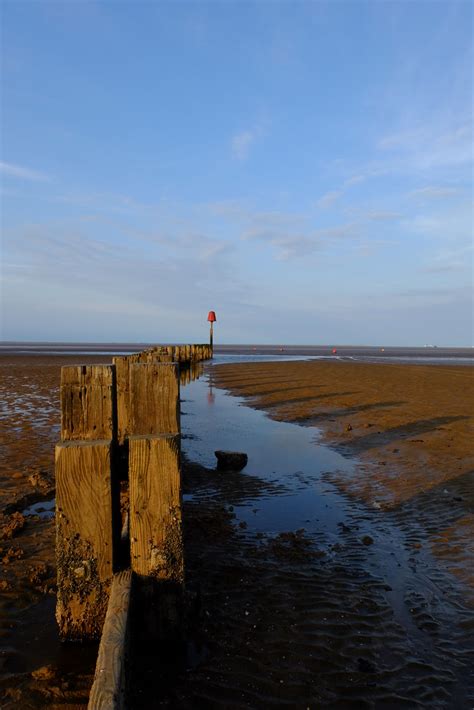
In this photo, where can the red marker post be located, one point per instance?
(212, 319)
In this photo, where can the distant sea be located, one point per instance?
(248, 352)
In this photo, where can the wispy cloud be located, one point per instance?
(164, 272)
(451, 260)
(290, 245)
(243, 142)
(433, 192)
(453, 224)
(104, 202)
(441, 143)
(354, 180)
(23, 173)
(328, 199)
(381, 215)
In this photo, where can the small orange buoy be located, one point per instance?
(334, 351)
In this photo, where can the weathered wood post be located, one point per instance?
(109, 690)
(87, 500)
(156, 544)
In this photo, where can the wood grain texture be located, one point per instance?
(123, 365)
(155, 507)
(85, 537)
(88, 404)
(154, 399)
(108, 691)
(122, 373)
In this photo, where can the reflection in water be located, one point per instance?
(211, 397)
(189, 373)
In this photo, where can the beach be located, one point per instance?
(293, 618)
(36, 670)
(411, 428)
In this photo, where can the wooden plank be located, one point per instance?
(155, 507)
(88, 404)
(154, 399)
(87, 535)
(108, 691)
(122, 366)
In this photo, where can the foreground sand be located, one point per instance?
(286, 620)
(34, 669)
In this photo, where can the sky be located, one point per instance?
(302, 168)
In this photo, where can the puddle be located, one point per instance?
(45, 509)
(278, 452)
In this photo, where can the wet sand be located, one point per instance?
(411, 427)
(284, 620)
(35, 670)
(379, 617)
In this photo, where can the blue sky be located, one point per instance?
(302, 168)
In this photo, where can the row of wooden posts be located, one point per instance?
(119, 423)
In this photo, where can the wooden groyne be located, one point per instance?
(118, 467)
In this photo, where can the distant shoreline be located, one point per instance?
(427, 354)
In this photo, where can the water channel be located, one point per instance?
(424, 601)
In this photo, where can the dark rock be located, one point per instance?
(231, 460)
(367, 540)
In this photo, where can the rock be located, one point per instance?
(231, 460)
(349, 427)
(13, 553)
(367, 540)
(45, 673)
(11, 525)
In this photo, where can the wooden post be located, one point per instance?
(156, 546)
(154, 399)
(88, 403)
(122, 368)
(87, 530)
(87, 499)
(156, 550)
(155, 504)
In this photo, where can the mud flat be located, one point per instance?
(314, 584)
(358, 596)
(35, 670)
